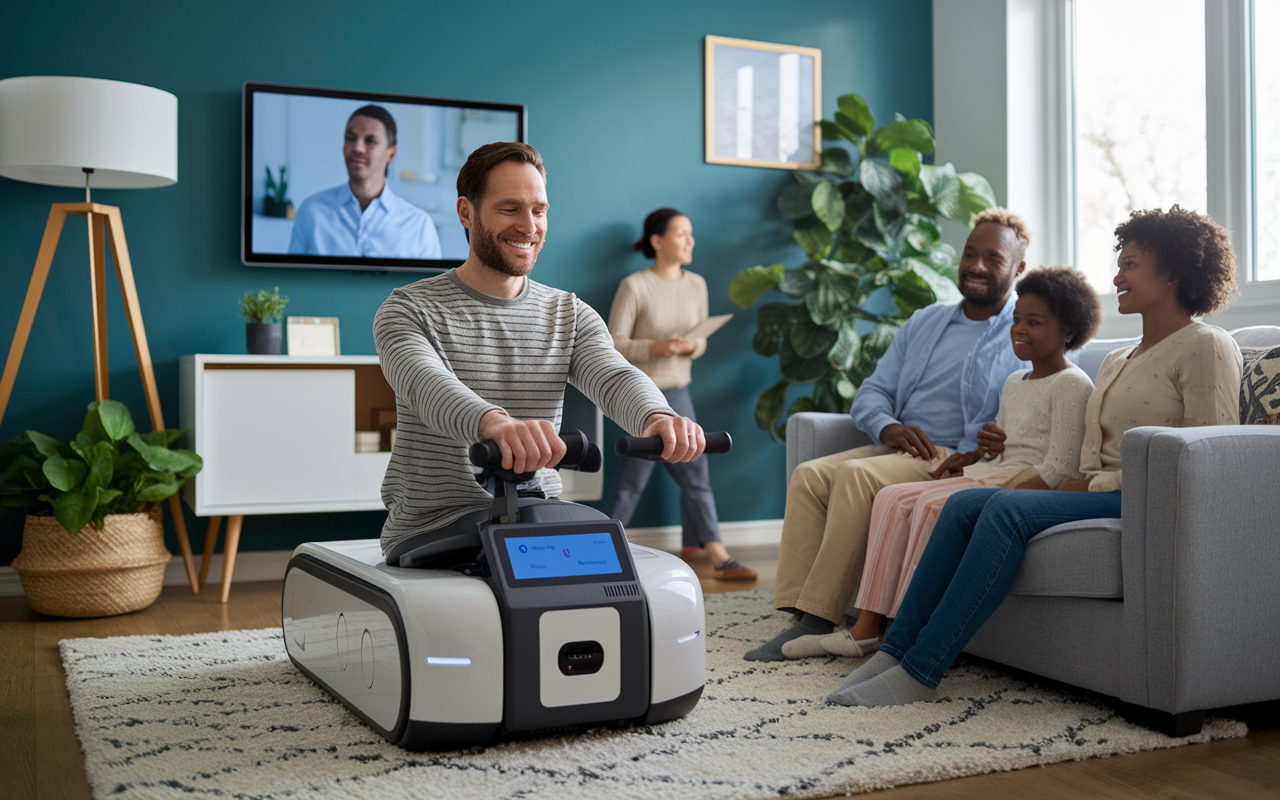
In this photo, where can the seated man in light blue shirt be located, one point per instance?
(930, 395)
(363, 217)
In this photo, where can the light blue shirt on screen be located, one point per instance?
(330, 223)
(943, 372)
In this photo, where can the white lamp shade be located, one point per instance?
(52, 127)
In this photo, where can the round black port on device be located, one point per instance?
(580, 658)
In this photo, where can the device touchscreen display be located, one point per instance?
(569, 555)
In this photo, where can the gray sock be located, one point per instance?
(880, 661)
(893, 687)
(772, 649)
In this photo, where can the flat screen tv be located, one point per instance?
(312, 196)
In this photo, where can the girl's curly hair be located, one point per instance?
(1070, 298)
(1191, 249)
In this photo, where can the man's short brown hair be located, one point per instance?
(473, 178)
(1005, 217)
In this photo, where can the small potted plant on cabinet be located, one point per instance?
(93, 543)
(264, 331)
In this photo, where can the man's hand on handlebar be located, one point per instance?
(682, 438)
(527, 445)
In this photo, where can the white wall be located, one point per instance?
(969, 110)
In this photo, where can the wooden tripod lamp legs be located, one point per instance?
(99, 217)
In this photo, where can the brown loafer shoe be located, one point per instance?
(732, 570)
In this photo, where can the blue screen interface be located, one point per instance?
(571, 555)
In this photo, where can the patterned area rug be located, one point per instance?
(227, 715)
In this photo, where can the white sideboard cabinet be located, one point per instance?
(277, 433)
(278, 436)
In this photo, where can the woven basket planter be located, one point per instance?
(98, 572)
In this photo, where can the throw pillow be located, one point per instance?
(1260, 388)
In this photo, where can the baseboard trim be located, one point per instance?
(752, 533)
(270, 565)
(267, 565)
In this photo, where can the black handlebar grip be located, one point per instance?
(650, 447)
(488, 455)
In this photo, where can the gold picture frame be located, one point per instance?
(760, 94)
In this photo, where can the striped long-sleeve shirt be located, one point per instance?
(452, 354)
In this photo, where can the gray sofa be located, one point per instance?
(1175, 607)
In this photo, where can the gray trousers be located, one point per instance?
(697, 504)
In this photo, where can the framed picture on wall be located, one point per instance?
(763, 104)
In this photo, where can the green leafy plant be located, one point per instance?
(264, 306)
(868, 222)
(276, 201)
(109, 468)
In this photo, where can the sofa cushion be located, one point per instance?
(1076, 559)
(1260, 389)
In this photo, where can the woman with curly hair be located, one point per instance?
(1172, 266)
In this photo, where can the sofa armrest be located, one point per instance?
(1200, 552)
(812, 434)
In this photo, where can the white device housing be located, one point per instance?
(414, 650)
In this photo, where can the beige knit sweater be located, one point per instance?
(648, 308)
(1190, 378)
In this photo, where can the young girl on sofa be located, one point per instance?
(1042, 416)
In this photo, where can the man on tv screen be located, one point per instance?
(363, 217)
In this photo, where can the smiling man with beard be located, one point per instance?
(363, 217)
(484, 352)
(931, 394)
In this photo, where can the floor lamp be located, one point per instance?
(63, 131)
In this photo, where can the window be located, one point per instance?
(1172, 102)
(1266, 137)
(1140, 138)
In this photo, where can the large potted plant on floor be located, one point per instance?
(868, 222)
(93, 544)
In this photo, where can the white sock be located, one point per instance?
(841, 643)
(806, 646)
(772, 649)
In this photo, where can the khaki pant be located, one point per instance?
(824, 528)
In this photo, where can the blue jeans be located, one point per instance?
(698, 519)
(969, 565)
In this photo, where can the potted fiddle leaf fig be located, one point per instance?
(264, 327)
(93, 544)
(868, 221)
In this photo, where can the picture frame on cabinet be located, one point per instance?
(313, 336)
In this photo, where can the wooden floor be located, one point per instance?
(40, 757)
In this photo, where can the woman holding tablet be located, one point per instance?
(652, 312)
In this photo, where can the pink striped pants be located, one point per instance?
(902, 518)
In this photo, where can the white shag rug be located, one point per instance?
(227, 715)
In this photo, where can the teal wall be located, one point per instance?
(615, 101)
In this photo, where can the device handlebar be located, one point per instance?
(650, 447)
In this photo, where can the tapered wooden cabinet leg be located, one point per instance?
(229, 547)
(210, 539)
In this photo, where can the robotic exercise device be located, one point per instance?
(544, 619)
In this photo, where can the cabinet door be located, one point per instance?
(277, 436)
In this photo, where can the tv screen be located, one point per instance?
(359, 180)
